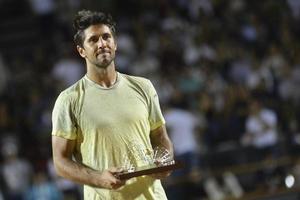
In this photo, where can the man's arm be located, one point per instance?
(159, 137)
(62, 157)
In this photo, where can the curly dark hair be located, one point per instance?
(86, 18)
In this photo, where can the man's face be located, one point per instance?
(99, 47)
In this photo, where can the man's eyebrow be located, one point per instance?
(91, 36)
(96, 34)
(106, 32)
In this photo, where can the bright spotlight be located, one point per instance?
(289, 181)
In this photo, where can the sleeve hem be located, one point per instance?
(157, 125)
(64, 135)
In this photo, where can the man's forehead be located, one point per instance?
(97, 29)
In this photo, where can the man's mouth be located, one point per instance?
(103, 52)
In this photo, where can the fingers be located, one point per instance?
(118, 184)
(114, 170)
(115, 181)
(161, 175)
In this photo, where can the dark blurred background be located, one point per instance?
(227, 73)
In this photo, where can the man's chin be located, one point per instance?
(103, 65)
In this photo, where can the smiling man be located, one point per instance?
(96, 120)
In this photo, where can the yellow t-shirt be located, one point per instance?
(111, 126)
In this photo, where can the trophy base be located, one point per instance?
(150, 170)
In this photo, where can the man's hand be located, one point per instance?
(161, 175)
(108, 179)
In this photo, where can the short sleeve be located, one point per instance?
(156, 118)
(63, 120)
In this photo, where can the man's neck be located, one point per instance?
(105, 77)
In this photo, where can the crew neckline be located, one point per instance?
(101, 87)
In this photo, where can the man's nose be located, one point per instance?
(101, 43)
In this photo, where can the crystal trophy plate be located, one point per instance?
(157, 161)
(150, 170)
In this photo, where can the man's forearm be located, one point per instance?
(62, 157)
(159, 137)
(74, 171)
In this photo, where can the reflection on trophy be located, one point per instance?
(149, 161)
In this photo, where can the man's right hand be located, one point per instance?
(109, 180)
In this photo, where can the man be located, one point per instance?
(100, 118)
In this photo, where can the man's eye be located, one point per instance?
(93, 39)
(105, 36)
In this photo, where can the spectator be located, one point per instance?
(67, 70)
(261, 128)
(42, 188)
(182, 125)
(15, 170)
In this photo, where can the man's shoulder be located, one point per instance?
(136, 79)
(72, 91)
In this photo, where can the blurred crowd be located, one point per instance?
(227, 74)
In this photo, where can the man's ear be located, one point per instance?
(81, 51)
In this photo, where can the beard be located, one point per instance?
(103, 61)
